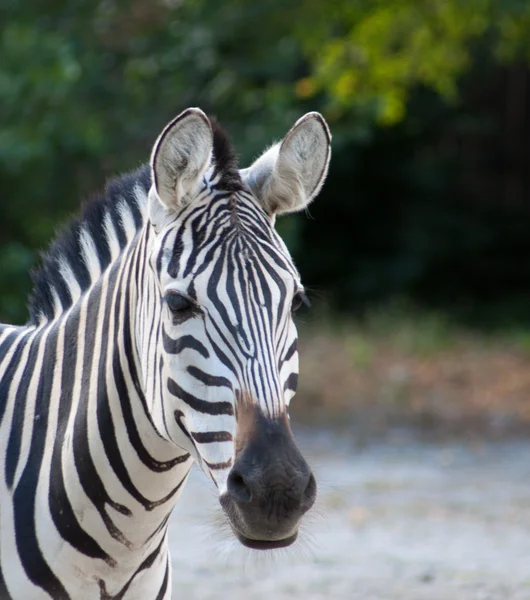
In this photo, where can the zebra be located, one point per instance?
(160, 334)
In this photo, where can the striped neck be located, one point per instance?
(112, 479)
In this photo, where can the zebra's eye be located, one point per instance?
(299, 299)
(177, 303)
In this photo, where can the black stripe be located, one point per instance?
(17, 420)
(202, 406)
(172, 346)
(5, 381)
(263, 341)
(168, 496)
(63, 291)
(219, 466)
(136, 212)
(174, 264)
(4, 594)
(161, 379)
(24, 498)
(104, 415)
(217, 349)
(116, 220)
(210, 380)
(132, 430)
(94, 227)
(124, 395)
(88, 475)
(163, 523)
(61, 509)
(147, 563)
(7, 343)
(291, 383)
(140, 250)
(217, 273)
(197, 235)
(237, 268)
(179, 416)
(163, 587)
(292, 351)
(280, 283)
(129, 355)
(210, 437)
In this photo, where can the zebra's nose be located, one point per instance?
(270, 485)
(285, 480)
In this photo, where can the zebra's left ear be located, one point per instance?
(180, 156)
(289, 175)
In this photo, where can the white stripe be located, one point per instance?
(90, 254)
(112, 237)
(69, 278)
(127, 220)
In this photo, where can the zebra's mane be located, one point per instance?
(88, 244)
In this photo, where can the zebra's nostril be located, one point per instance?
(238, 488)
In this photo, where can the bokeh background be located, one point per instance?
(416, 354)
(417, 251)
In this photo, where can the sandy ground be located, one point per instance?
(396, 520)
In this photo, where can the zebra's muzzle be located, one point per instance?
(270, 486)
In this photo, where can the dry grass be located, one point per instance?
(400, 368)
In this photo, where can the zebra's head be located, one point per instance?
(220, 356)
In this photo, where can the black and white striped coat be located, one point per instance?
(160, 334)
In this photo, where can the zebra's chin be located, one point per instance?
(258, 533)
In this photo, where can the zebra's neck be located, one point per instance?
(142, 472)
(100, 478)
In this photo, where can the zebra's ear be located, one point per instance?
(288, 176)
(180, 156)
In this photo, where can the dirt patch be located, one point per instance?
(459, 383)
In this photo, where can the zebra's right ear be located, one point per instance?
(180, 156)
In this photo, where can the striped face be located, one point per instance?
(225, 364)
(226, 320)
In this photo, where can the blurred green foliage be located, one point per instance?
(86, 86)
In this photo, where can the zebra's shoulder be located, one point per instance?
(88, 244)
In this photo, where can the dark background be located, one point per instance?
(428, 197)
